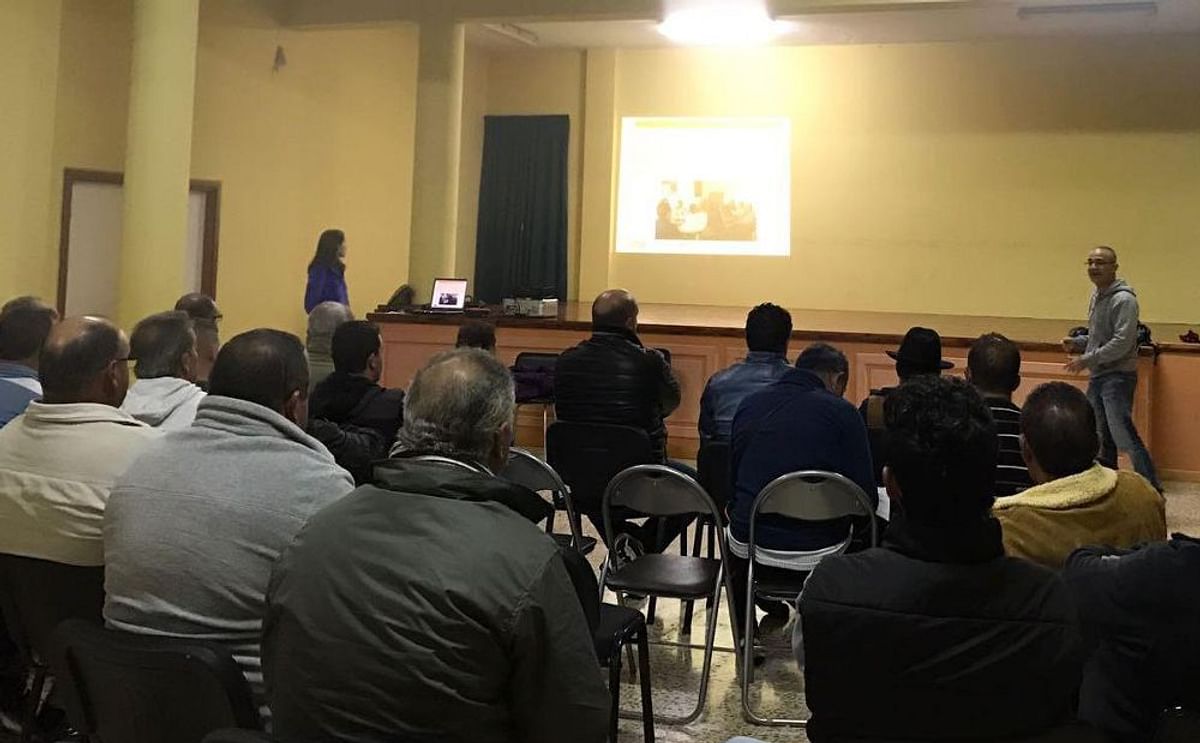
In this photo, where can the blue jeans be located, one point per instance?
(1111, 396)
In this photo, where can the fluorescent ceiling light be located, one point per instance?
(1147, 7)
(721, 24)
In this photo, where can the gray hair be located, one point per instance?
(322, 321)
(159, 343)
(455, 405)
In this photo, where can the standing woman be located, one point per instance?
(327, 272)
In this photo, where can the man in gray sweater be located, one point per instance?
(1109, 352)
(194, 526)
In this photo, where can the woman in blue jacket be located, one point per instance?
(327, 272)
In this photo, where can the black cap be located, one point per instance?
(921, 352)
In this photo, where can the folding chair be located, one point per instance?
(657, 490)
(535, 365)
(809, 495)
(528, 471)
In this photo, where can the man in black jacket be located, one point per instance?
(352, 393)
(1143, 610)
(937, 635)
(429, 606)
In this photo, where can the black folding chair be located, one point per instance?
(127, 688)
(657, 490)
(613, 628)
(713, 473)
(809, 495)
(540, 366)
(35, 596)
(528, 471)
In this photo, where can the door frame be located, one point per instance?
(212, 225)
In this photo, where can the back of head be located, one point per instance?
(261, 366)
(768, 328)
(25, 322)
(456, 405)
(323, 321)
(476, 334)
(353, 345)
(942, 447)
(199, 306)
(76, 358)
(160, 344)
(328, 245)
(994, 363)
(614, 308)
(822, 358)
(1059, 426)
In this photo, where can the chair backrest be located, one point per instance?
(713, 468)
(535, 361)
(588, 455)
(656, 490)
(127, 688)
(37, 595)
(528, 471)
(533, 374)
(586, 586)
(812, 495)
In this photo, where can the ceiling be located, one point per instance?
(977, 21)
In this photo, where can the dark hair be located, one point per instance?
(995, 363)
(261, 366)
(942, 449)
(24, 324)
(159, 343)
(198, 306)
(768, 328)
(352, 345)
(208, 335)
(65, 369)
(823, 359)
(327, 250)
(1059, 426)
(476, 334)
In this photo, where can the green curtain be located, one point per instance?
(521, 242)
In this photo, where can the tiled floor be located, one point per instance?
(779, 684)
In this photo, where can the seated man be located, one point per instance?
(59, 460)
(1134, 605)
(994, 368)
(799, 423)
(352, 394)
(429, 606)
(164, 395)
(322, 321)
(476, 334)
(1075, 501)
(768, 330)
(194, 526)
(920, 353)
(199, 307)
(937, 635)
(24, 324)
(203, 310)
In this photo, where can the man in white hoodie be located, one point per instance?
(165, 394)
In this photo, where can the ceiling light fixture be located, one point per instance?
(513, 31)
(722, 24)
(1148, 8)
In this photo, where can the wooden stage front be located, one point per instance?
(704, 339)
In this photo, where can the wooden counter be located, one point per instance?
(704, 339)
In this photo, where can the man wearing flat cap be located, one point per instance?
(920, 353)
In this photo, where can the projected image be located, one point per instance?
(704, 186)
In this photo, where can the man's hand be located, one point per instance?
(1075, 365)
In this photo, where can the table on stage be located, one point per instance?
(704, 339)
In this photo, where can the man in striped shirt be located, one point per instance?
(994, 368)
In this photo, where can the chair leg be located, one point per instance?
(614, 689)
(647, 704)
(685, 627)
(650, 606)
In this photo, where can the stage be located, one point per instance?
(703, 339)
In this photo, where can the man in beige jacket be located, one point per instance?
(59, 460)
(1074, 501)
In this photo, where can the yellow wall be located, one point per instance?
(28, 69)
(475, 98)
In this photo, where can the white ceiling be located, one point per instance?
(977, 22)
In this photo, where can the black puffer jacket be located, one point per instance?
(355, 400)
(612, 378)
(937, 636)
(429, 607)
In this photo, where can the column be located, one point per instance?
(158, 156)
(598, 198)
(438, 142)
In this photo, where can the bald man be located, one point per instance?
(60, 458)
(612, 378)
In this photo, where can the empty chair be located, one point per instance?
(527, 470)
(127, 688)
(810, 495)
(657, 490)
(533, 373)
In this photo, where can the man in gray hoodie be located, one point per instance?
(1109, 352)
(165, 394)
(194, 525)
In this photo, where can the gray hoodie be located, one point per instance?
(168, 403)
(1111, 342)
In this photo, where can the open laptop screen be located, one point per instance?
(449, 294)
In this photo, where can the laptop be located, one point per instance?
(449, 296)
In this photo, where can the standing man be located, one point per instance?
(1109, 353)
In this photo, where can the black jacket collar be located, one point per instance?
(460, 480)
(617, 330)
(964, 544)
